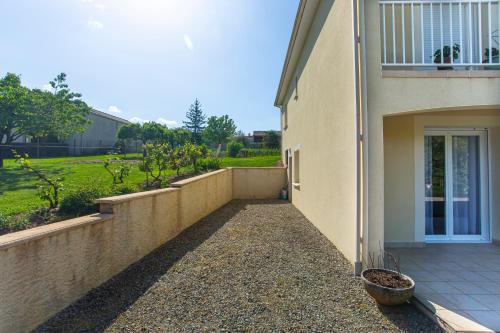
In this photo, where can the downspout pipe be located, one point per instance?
(358, 264)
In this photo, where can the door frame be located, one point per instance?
(484, 151)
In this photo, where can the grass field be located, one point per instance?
(18, 188)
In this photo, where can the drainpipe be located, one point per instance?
(359, 110)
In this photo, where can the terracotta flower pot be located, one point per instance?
(385, 295)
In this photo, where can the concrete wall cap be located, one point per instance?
(17, 238)
(133, 196)
(198, 178)
(258, 168)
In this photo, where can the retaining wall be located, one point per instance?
(45, 269)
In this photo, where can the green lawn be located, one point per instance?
(18, 191)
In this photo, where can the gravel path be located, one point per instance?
(256, 266)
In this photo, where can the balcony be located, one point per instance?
(423, 35)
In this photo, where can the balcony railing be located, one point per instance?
(440, 34)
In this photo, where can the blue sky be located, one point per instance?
(149, 59)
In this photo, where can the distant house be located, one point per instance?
(257, 138)
(99, 137)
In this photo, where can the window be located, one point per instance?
(296, 167)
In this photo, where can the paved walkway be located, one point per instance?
(255, 266)
(459, 282)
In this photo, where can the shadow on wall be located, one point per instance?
(97, 310)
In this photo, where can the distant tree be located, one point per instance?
(180, 136)
(129, 133)
(154, 133)
(240, 137)
(196, 121)
(14, 117)
(219, 129)
(37, 113)
(272, 140)
(68, 112)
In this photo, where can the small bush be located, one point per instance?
(210, 164)
(233, 148)
(246, 152)
(81, 200)
(14, 222)
(124, 189)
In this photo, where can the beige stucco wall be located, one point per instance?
(404, 169)
(258, 183)
(399, 179)
(389, 96)
(321, 125)
(204, 194)
(47, 268)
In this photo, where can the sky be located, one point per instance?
(147, 60)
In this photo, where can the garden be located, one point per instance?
(45, 190)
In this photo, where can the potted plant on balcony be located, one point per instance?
(386, 284)
(446, 55)
(494, 55)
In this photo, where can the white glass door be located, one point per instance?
(456, 188)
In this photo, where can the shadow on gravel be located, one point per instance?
(404, 318)
(96, 310)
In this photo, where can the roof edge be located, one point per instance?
(303, 21)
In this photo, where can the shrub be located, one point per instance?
(49, 188)
(14, 222)
(210, 164)
(194, 153)
(245, 152)
(124, 189)
(117, 168)
(233, 148)
(81, 201)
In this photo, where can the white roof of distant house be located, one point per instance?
(109, 116)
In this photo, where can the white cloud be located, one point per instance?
(137, 120)
(168, 123)
(95, 4)
(47, 87)
(94, 24)
(188, 42)
(114, 109)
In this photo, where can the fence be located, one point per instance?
(463, 33)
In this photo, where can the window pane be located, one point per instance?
(466, 186)
(435, 186)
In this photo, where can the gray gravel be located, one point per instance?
(255, 266)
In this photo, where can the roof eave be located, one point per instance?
(303, 22)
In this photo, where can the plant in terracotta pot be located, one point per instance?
(385, 282)
(447, 54)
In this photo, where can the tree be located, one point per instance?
(14, 118)
(37, 113)
(154, 133)
(180, 136)
(272, 140)
(49, 188)
(193, 154)
(196, 121)
(219, 130)
(68, 113)
(129, 133)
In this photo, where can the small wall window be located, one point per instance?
(296, 167)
